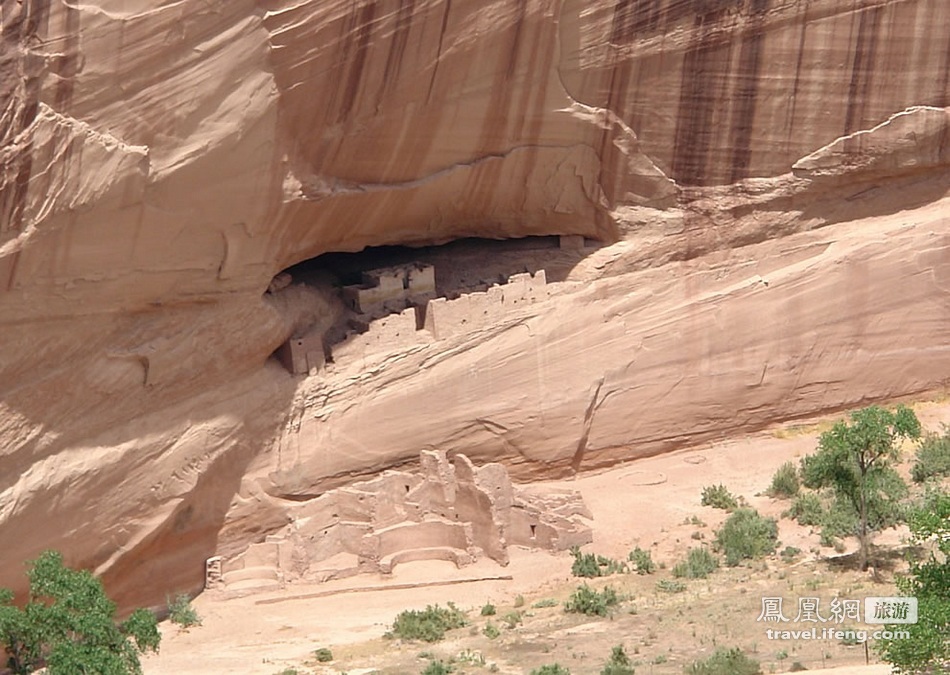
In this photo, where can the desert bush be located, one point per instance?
(699, 564)
(439, 667)
(181, 612)
(807, 509)
(551, 669)
(512, 619)
(789, 553)
(670, 586)
(719, 497)
(471, 657)
(642, 561)
(585, 600)
(546, 602)
(746, 534)
(618, 663)
(725, 662)
(933, 457)
(519, 601)
(428, 625)
(323, 655)
(590, 565)
(838, 520)
(491, 631)
(488, 609)
(785, 482)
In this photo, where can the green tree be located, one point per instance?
(927, 650)
(68, 625)
(856, 461)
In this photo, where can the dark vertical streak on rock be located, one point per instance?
(620, 30)
(616, 96)
(20, 98)
(397, 48)
(704, 73)
(365, 17)
(865, 51)
(746, 97)
(495, 132)
(793, 103)
(68, 65)
(516, 40)
(943, 100)
(438, 56)
(12, 262)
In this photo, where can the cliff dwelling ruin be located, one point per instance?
(393, 297)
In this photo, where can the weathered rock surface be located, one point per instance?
(161, 162)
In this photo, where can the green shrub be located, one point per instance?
(491, 631)
(470, 656)
(807, 509)
(642, 561)
(590, 565)
(438, 668)
(789, 553)
(837, 519)
(519, 601)
(428, 625)
(546, 602)
(181, 612)
(512, 619)
(933, 457)
(719, 497)
(785, 482)
(699, 564)
(488, 609)
(618, 663)
(551, 669)
(670, 586)
(323, 655)
(585, 600)
(725, 662)
(797, 667)
(746, 534)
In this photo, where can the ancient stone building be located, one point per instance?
(449, 510)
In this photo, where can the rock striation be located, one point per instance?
(161, 163)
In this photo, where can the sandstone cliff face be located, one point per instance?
(162, 161)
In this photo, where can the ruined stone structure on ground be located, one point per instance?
(449, 510)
